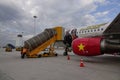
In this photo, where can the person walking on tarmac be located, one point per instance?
(67, 41)
(23, 52)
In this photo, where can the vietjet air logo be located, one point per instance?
(81, 47)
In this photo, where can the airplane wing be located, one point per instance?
(113, 30)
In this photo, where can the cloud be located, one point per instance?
(101, 14)
(8, 13)
(16, 16)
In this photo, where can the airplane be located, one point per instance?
(97, 39)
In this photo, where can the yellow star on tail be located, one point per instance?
(81, 47)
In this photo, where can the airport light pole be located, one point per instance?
(34, 24)
(22, 40)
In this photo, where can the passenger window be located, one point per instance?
(91, 30)
(98, 30)
(101, 29)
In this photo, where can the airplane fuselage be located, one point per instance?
(97, 39)
(92, 31)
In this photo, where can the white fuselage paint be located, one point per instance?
(92, 31)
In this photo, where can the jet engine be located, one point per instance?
(94, 46)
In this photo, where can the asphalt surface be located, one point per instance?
(104, 67)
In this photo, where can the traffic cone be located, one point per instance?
(81, 63)
(68, 57)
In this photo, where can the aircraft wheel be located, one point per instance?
(56, 54)
(65, 53)
(39, 56)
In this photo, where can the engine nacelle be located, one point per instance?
(87, 46)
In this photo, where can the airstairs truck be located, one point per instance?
(35, 45)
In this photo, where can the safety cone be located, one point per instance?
(81, 63)
(68, 57)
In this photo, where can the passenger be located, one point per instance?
(67, 41)
(73, 33)
(23, 52)
(74, 36)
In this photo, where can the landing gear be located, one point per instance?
(65, 53)
(66, 50)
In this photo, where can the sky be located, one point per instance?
(16, 16)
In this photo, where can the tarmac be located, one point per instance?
(103, 67)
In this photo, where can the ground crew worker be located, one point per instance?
(67, 41)
(23, 52)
